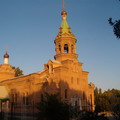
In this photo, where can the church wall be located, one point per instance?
(69, 82)
(6, 75)
(58, 81)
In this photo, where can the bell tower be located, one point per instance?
(65, 41)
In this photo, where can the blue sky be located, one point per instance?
(29, 27)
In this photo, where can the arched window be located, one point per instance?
(25, 98)
(59, 48)
(66, 48)
(72, 48)
(66, 93)
(27, 101)
(15, 98)
(84, 96)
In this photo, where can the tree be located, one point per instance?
(116, 27)
(51, 108)
(96, 92)
(18, 71)
(108, 101)
(115, 100)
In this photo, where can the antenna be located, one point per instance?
(6, 48)
(63, 5)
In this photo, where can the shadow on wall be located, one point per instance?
(24, 105)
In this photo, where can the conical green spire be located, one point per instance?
(65, 27)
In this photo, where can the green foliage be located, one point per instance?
(100, 101)
(115, 103)
(108, 101)
(18, 71)
(116, 27)
(51, 108)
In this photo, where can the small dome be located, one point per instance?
(63, 12)
(6, 55)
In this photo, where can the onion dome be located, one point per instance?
(63, 12)
(6, 55)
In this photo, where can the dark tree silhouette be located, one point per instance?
(51, 108)
(116, 27)
(18, 71)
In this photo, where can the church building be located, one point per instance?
(62, 75)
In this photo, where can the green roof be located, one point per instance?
(64, 26)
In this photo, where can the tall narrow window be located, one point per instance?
(90, 101)
(84, 96)
(66, 48)
(24, 98)
(59, 48)
(66, 94)
(15, 98)
(72, 48)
